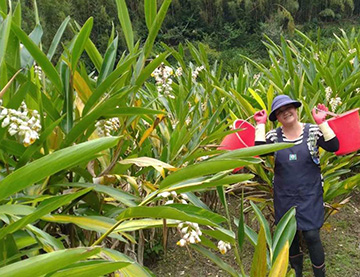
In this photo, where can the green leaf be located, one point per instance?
(134, 225)
(202, 183)
(241, 226)
(56, 40)
(8, 248)
(4, 36)
(80, 42)
(39, 57)
(24, 239)
(90, 268)
(46, 263)
(221, 193)
(201, 169)
(285, 232)
(215, 259)
(98, 224)
(107, 83)
(150, 8)
(280, 266)
(257, 98)
(52, 163)
(155, 27)
(16, 209)
(220, 233)
(121, 196)
(37, 144)
(125, 22)
(88, 120)
(44, 208)
(93, 54)
(134, 269)
(3, 6)
(45, 239)
(263, 223)
(254, 151)
(258, 266)
(146, 72)
(125, 111)
(109, 60)
(174, 211)
(26, 58)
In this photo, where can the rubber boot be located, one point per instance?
(319, 271)
(296, 263)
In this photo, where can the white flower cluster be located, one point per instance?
(22, 122)
(316, 56)
(203, 158)
(328, 92)
(38, 71)
(162, 76)
(196, 71)
(179, 72)
(223, 246)
(352, 51)
(106, 127)
(334, 102)
(172, 197)
(191, 233)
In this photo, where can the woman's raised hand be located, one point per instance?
(260, 117)
(319, 114)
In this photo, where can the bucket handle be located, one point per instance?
(327, 112)
(234, 127)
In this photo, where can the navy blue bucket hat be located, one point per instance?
(278, 102)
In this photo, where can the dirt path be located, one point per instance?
(340, 235)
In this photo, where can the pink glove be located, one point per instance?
(260, 117)
(319, 116)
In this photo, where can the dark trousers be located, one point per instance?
(313, 242)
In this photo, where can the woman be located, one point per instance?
(297, 177)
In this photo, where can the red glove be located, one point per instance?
(260, 117)
(320, 114)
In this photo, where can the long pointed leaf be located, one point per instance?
(280, 266)
(4, 36)
(56, 40)
(93, 268)
(80, 42)
(201, 169)
(215, 259)
(44, 208)
(150, 7)
(125, 22)
(39, 57)
(52, 163)
(46, 263)
(174, 211)
(258, 267)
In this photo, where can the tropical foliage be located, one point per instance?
(94, 160)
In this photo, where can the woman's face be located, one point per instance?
(287, 114)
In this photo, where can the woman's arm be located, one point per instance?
(327, 138)
(331, 145)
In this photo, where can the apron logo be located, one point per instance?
(292, 157)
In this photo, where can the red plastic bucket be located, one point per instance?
(241, 139)
(346, 126)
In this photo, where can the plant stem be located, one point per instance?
(108, 232)
(236, 250)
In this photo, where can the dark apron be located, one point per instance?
(297, 182)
